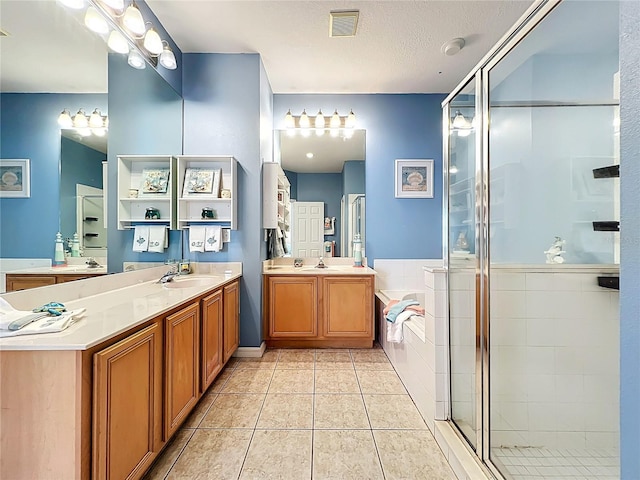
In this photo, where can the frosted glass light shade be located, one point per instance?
(335, 120)
(350, 122)
(319, 122)
(95, 22)
(133, 20)
(115, 5)
(289, 121)
(64, 119)
(95, 120)
(459, 121)
(152, 42)
(136, 60)
(168, 59)
(117, 42)
(80, 120)
(304, 120)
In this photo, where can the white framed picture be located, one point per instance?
(414, 178)
(15, 178)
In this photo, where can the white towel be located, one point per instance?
(47, 324)
(157, 239)
(141, 239)
(213, 235)
(394, 329)
(196, 239)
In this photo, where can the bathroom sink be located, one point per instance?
(315, 269)
(192, 282)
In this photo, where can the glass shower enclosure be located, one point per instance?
(532, 188)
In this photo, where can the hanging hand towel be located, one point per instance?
(157, 238)
(213, 239)
(196, 239)
(394, 329)
(141, 239)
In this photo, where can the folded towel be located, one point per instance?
(196, 238)
(158, 236)
(394, 329)
(398, 308)
(416, 308)
(48, 324)
(140, 239)
(213, 238)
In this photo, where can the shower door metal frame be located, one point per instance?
(532, 17)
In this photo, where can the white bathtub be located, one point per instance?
(416, 322)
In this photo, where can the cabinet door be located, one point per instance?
(231, 322)
(293, 307)
(211, 339)
(23, 282)
(182, 336)
(348, 306)
(127, 405)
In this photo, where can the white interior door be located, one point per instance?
(307, 236)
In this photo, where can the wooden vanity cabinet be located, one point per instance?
(293, 307)
(231, 329)
(127, 392)
(15, 282)
(211, 339)
(347, 304)
(181, 366)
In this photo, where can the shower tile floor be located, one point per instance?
(558, 464)
(303, 414)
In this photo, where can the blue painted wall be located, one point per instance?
(398, 126)
(78, 164)
(326, 188)
(228, 111)
(630, 240)
(145, 118)
(36, 136)
(353, 177)
(293, 184)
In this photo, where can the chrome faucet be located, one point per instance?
(320, 263)
(167, 277)
(92, 263)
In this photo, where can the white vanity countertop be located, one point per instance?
(61, 270)
(335, 266)
(114, 304)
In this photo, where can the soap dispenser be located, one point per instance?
(75, 246)
(58, 258)
(357, 250)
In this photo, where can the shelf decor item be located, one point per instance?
(198, 180)
(217, 182)
(15, 180)
(155, 180)
(414, 178)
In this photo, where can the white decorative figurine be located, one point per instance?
(554, 254)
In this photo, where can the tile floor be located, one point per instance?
(305, 414)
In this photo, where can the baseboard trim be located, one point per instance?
(250, 352)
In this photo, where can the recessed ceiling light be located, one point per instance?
(309, 155)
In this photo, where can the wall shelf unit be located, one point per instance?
(276, 198)
(202, 181)
(135, 173)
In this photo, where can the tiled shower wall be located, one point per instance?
(554, 356)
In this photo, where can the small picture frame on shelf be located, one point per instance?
(15, 180)
(155, 180)
(414, 178)
(197, 180)
(329, 225)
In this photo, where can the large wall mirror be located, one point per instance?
(330, 170)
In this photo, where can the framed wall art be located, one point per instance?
(414, 178)
(15, 178)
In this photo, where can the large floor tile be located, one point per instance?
(336, 381)
(296, 358)
(393, 411)
(233, 411)
(198, 413)
(380, 382)
(267, 361)
(345, 454)
(279, 454)
(212, 454)
(248, 381)
(339, 411)
(220, 380)
(411, 455)
(333, 359)
(371, 360)
(286, 411)
(292, 381)
(169, 455)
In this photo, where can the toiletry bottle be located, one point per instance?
(58, 258)
(357, 250)
(75, 246)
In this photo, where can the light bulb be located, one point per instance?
(335, 120)
(289, 121)
(95, 120)
(304, 120)
(115, 5)
(117, 42)
(459, 121)
(319, 122)
(133, 20)
(95, 22)
(64, 119)
(136, 60)
(76, 4)
(152, 42)
(351, 120)
(168, 59)
(80, 120)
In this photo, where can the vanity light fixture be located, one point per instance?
(136, 60)
(459, 121)
(133, 21)
(152, 42)
(95, 22)
(116, 5)
(336, 124)
(117, 42)
(167, 58)
(95, 124)
(95, 120)
(80, 120)
(64, 119)
(304, 120)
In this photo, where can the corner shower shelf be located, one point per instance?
(612, 171)
(608, 226)
(609, 282)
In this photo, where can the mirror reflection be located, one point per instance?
(327, 190)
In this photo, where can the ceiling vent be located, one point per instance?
(343, 23)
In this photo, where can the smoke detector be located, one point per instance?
(343, 23)
(452, 46)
